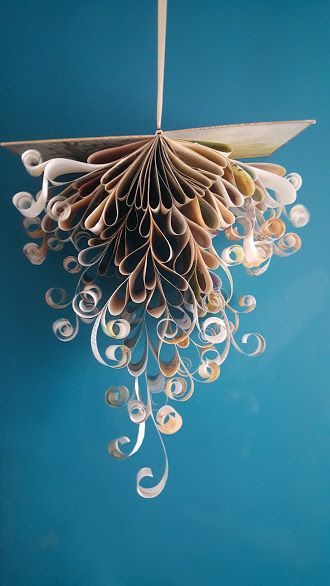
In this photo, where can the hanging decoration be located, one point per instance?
(155, 224)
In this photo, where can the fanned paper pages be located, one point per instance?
(257, 139)
(156, 224)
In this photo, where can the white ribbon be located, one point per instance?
(162, 9)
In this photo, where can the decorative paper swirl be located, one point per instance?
(143, 218)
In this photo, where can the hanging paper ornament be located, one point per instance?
(144, 214)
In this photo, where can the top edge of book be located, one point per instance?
(254, 139)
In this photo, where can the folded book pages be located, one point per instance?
(156, 223)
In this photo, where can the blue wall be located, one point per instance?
(247, 503)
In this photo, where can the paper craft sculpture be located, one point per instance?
(156, 223)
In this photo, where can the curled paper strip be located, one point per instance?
(157, 225)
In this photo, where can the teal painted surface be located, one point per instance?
(247, 502)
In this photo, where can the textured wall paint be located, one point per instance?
(247, 503)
